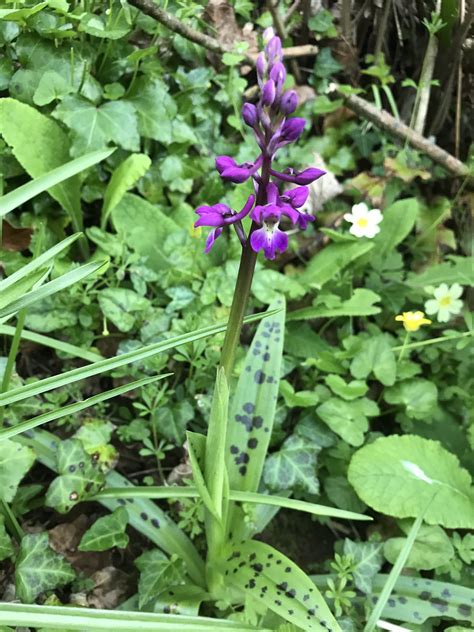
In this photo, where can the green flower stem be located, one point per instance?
(432, 341)
(243, 285)
(404, 346)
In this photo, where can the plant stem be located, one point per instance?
(12, 357)
(243, 285)
(404, 346)
(382, 27)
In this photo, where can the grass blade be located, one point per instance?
(69, 377)
(235, 495)
(33, 188)
(52, 343)
(62, 282)
(72, 409)
(66, 618)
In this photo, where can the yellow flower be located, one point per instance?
(412, 321)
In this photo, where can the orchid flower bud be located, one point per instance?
(249, 114)
(289, 102)
(268, 92)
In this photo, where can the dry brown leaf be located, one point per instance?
(15, 239)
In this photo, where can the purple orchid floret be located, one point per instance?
(273, 130)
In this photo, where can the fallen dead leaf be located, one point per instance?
(15, 239)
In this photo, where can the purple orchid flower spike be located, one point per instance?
(273, 128)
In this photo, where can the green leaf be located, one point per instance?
(368, 559)
(418, 396)
(399, 475)
(293, 466)
(80, 619)
(125, 176)
(432, 548)
(326, 65)
(41, 145)
(79, 477)
(122, 306)
(20, 15)
(39, 569)
(329, 262)
(457, 270)
(155, 108)
(27, 191)
(214, 465)
(157, 572)
(6, 546)
(253, 407)
(111, 29)
(174, 420)
(375, 356)
(398, 221)
(106, 532)
(349, 391)
(349, 420)
(361, 303)
(95, 127)
(273, 579)
(15, 461)
(51, 86)
(301, 398)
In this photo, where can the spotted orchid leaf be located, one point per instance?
(278, 583)
(253, 408)
(196, 451)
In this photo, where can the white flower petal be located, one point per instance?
(360, 210)
(441, 291)
(349, 217)
(375, 216)
(431, 306)
(456, 306)
(443, 315)
(456, 290)
(357, 231)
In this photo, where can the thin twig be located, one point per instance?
(210, 43)
(382, 27)
(381, 118)
(281, 31)
(290, 11)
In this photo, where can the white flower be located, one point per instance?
(446, 302)
(365, 222)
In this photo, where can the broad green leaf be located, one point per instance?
(15, 461)
(293, 466)
(51, 86)
(69, 618)
(121, 306)
(349, 420)
(375, 356)
(39, 569)
(94, 127)
(432, 548)
(20, 15)
(418, 396)
(106, 532)
(361, 303)
(174, 419)
(96, 368)
(79, 477)
(329, 262)
(347, 390)
(155, 108)
(41, 145)
(144, 228)
(368, 559)
(456, 270)
(58, 284)
(125, 176)
(27, 191)
(297, 399)
(398, 221)
(399, 475)
(6, 546)
(253, 407)
(273, 579)
(157, 572)
(103, 28)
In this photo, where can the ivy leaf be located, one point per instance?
(432, 548)
(51, 86)
(15, 461)
(419, 396)
(348, 419)
(106, 532)
(121, 306)
(401, 475)
(79, 476)
(39, 569)
(156, 109)
(270, 577)
(6, 546)
(172, 421)
(293, 466)
(375, 356)
(368, 559)
(157, 573)
(95, 127)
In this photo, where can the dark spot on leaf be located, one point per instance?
(312, 612)
(425, 595)
(283, 586)
(144, 516)
(242, 458)
(72, 468)
(249, 407)
(121, 501)
(252, 557)
(416, 615)
(243, 470)
(440, 604)
(291, 611)
(402, 600)
(234, 449)
(392, 603)
(73, 496)
(305, 597)
(155, 522)
(270, 379)
(278, 602)
(446, 593)
(259, 377)
(291, 593)
(248, 368)
(252, 443)
(166, 609)
(251, 583)
(288, 569)
(266, 357)
(257, 421)
(257, 567)
(464, 610)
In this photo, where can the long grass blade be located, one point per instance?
(235, 495)
(33, 188)
(62, 282)
(69, 377)
(66, 618)
(75, 408)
